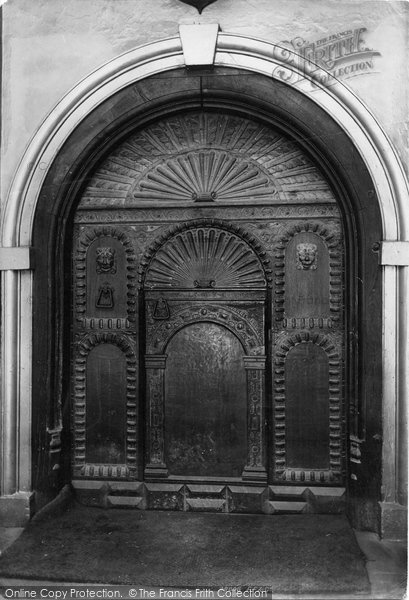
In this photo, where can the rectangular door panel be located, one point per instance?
(205, 403)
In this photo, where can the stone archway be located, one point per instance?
(254, 56)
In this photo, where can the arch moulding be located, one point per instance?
(231, 51)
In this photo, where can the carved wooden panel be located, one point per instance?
(105, 420)
(105, 383)
(244, 321)
(106, 279)
(155, 366)
(308, 405)
(306, 277)
(203, 158)
(159, 215)
(104, 272)
(309, 276)
(105, 414)
(206, 403)
(205, 254)
(256, 443)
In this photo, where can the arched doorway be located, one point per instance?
(357, 158)
(234, 382)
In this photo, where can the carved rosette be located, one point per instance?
(336, 471)
(81, 352)
(333, 244)
(80, 278)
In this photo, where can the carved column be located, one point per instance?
(155, 382)
(255, 469)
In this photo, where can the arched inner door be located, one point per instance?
(205, 298)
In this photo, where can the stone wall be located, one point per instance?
(50, 45)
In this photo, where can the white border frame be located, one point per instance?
(231, 51)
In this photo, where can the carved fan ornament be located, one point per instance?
(204, 256)
(205, 176)
(206, 156)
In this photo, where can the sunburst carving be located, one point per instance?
(206, 156)
(205, 257)
(205, 176)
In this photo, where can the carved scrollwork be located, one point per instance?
(335, 399)
(255, 390)
(88, 214)
(247, 330)
(81, 351)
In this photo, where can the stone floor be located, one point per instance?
(386, 566)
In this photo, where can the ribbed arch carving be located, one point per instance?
(206, 156)
(205, 253)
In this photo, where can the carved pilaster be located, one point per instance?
(255, 368)
(155, 375)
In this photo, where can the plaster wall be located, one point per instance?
(50, 45)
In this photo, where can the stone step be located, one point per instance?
(289, 491)
(206, 504)
(125, 501)
(284, 507)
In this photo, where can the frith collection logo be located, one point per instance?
(337, 57)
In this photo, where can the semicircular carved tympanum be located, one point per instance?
(206, 157)
(204, 255)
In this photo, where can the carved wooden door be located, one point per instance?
(205, 297)
(208, 360)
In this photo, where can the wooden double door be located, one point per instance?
(208, 323)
